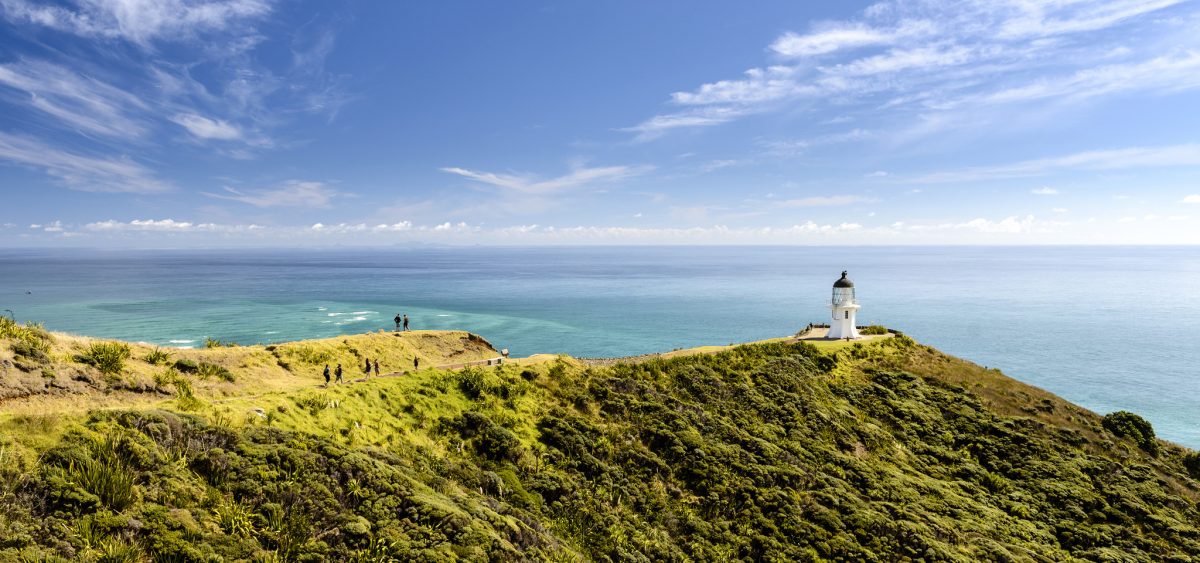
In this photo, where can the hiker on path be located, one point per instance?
(327, 375)
(405, 322)
(376, 367)
(397, 319)
(338, 373)
(368, 368)
(416, 363)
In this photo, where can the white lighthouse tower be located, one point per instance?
(844, 307)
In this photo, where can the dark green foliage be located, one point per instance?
(216, 343)
(1191, 462)
(187, 366)
(108, 357)
(1125, 424)
(30, 340)
(873, 329)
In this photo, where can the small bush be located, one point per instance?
(1191, 462)
(205, 369)
(158, 357)
(187, 366)
(1125, 424)
(216, 343)
(312, 403)
(32, 341)
(873, 329)
(186, 397)
(37, 350)
(108, 357)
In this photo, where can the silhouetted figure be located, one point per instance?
(416, 363)
(367, 369)
(376, 367)
(405, 322)
(397, 319)
(338, 373)
(327, 375)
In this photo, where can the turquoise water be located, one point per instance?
(1107, 327)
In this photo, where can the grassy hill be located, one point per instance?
(778, 451)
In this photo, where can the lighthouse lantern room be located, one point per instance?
(844, 307)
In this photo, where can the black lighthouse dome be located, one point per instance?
(844, 281)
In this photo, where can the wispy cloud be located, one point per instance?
(1115, 159)
(73, 100)
(294, 193)
(530, 185)
(926, 56)
(1192, 198)
(206, 128)
(80, 172)
(137, 21)
(1044, 191)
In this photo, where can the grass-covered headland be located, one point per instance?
(782, 451)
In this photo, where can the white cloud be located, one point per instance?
(167, 226)
(294, 193)
(138, 21)
(829, 39)
(1192, 198)
(824, 201)
(525, 184)
(73, 101)
(1059, 210)
(79, 172)
(1112, 159)
(206, 128)
(1044, 191)
(926, 57)
(1008, 225)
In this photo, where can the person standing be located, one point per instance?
(367, 369)
(327, 375)
(338, 372)
(406, 322)
(376, 367)
(416, 363)
(397, 319)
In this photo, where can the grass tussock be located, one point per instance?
(158, 357)
(108, 357)
(29, 340)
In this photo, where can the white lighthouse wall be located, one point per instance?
(842, 327)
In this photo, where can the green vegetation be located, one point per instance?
(158, 357)
(1128, 425)
(879, 451)
(29, 340)
(873, 329)
(205, 369)
(108, 357)
(215, 343)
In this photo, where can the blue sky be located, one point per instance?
(163, 123)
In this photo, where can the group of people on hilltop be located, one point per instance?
(368, 367)
(401, 320)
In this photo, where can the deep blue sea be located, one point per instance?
(1106, 327)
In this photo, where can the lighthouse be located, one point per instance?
(844, 307)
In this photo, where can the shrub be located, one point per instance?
(1125, 424)
(32, 341)
(108, 357)
(312, 403)
(158, 357)
(187, 366)
(36, 350)
(471, 383)
(873, 329)
(205, 369)
(216, 343)
(1191, 462)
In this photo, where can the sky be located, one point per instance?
(213, 123)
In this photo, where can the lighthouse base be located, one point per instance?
(843, 328)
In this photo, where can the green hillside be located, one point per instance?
(777, 451)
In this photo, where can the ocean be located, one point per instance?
(1109, 328)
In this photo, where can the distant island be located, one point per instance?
(795, 449)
